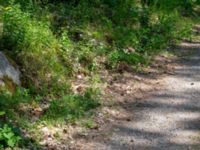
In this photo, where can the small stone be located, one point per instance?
(122, 94)
(38, 111)
(46, 132)
(128, 119)
(79, 76)
(65, 131)
(2, 84)
(79, 89)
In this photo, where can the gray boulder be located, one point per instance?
(8, 70)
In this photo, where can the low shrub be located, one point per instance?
(131, 58)
(8, 138)
(72, 107)
(9, 100)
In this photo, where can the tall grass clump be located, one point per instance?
(35, 49)
(72, 107)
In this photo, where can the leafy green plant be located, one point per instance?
(2, 113)
(7, 137)
(131, 58)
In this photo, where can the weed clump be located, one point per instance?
(69, 108)
(34, 47)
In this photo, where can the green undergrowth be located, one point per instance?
(19, 109)
(8, 138)
(72, 107)
(53, 42)
(35, 48)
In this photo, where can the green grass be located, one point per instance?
(16, 108)
(69, 108)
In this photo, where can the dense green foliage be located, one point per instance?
(71, 107)
(54, 41)
(7, 137)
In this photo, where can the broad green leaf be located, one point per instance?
(11, 143)
(8, 135)
(2, 113)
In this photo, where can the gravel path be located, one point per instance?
(169, 119)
